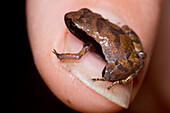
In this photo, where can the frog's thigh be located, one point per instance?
(133, 36)
(72, 56)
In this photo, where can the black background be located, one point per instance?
(23, 89)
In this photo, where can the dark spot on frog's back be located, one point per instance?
(128, 53)
(122, 68)
(130, 63)
(116, 31)
(117, 42)
(100, 24)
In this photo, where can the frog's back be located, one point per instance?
(116, 45)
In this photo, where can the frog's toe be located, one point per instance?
(97, 79)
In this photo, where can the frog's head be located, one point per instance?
(75, 16)
(78, 19)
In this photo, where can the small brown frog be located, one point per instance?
(120, 47)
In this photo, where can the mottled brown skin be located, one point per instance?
(121, 48)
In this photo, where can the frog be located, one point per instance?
(119, 47)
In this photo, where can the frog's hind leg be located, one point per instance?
(114, 83)
(72, 56)
(124, 81)
(135, 40)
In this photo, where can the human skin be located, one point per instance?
(46, 30)
(153, 96)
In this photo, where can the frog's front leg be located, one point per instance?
(135, 40)
(72, 56)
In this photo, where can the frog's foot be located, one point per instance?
(71, 56)
(124, 81)
(97, 79)
(114, 83)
